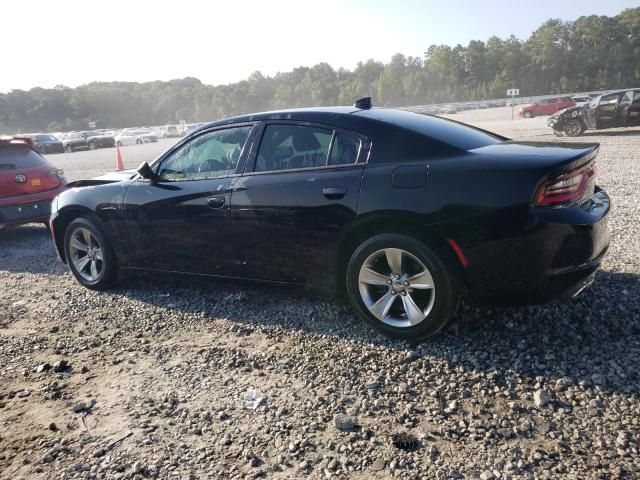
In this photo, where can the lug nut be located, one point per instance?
(389, 282)
(393, 292)
(397, 276)
(406, 284)
(404, 294)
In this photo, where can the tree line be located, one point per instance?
(590, 53)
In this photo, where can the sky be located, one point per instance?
(46, 43)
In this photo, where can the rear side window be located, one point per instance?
(345, 149)
(17, 157)
(285, 147)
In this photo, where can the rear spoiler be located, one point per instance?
(26, 141)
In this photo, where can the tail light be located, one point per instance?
(565, 188)
(56, 173)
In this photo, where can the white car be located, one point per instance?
(132, 136)
(581, 100)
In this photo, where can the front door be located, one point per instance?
(608, 110)
(181, 221)
(295, 201)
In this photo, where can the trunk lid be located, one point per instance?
(547, 156)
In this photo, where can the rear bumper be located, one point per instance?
(33, 208)
(555, 257)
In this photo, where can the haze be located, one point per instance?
(72, 43)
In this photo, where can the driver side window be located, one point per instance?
(214, 154)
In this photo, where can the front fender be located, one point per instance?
(103, 202)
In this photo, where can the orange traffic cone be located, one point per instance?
(119, 162)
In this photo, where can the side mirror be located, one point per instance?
(145, 171)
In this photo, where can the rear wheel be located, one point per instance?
(401, 287)
(92, 146)
(89, 254)
(573, 128)
(68, 149)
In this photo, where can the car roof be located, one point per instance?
(444, 130)
(398, 117)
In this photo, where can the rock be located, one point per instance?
(487, 475)
(84, 369)
(43, 367)
(137, 467)
(378, 464)
(54, 329)
(60, 366)
(304, 465)
(82, 406)
(541, 397)
(344, 423)
(53, 427)
(411, 355)
(23, 393)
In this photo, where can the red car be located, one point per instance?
(28, 183)
(547, 106)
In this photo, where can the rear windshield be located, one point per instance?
(45, 138)
(17, 157)
(463, 137)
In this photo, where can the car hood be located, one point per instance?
(111, 177)
(569, 110)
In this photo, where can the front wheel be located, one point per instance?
(92, 146)
(527, 114)
(401, 287)
(573, 128)
(68, 149)
(89, 254)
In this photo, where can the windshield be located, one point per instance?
(452, 133)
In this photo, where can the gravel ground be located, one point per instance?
(148, 379)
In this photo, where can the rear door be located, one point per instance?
(181, 222)
(296, 198)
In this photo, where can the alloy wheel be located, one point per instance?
(396, 287)
(573, 128)
(86, 254)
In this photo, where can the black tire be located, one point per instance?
(447, 292)
(527, 114)
(118, 143)
(138, 141)
(573, 128)
(68, 149)
(92, 146)
(109, 269)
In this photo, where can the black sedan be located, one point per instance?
(405, 213)
(614, 109)
(45, 143)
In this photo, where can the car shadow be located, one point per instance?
(585, 341)
(611, 133)
(29, 249)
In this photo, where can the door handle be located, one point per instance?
(215, 202)
(334, 193)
